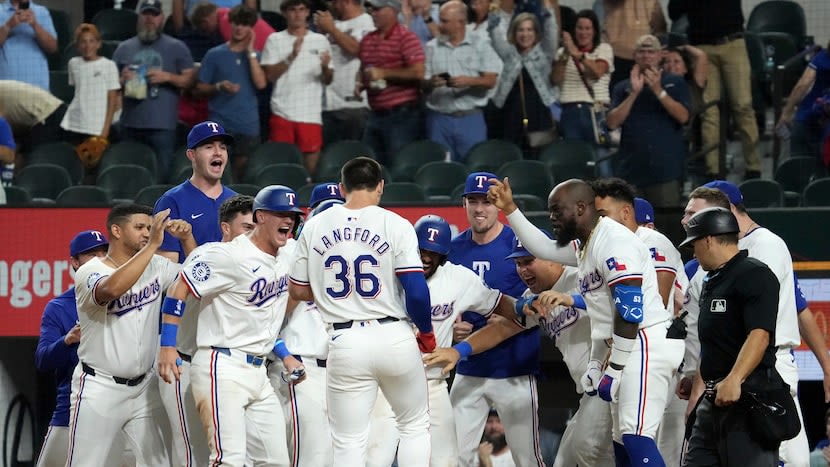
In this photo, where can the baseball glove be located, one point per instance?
(90, 150)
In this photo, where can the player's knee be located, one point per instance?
(642, 451)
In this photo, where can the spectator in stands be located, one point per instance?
(460, 69)
(392, 68)
(203, 33)
(820, 457)
(493, 450)
(344, 113)
(623, 21)
(582, 72)
(97, 89)
(7, 153)
(798, 113)
(479, 12)
(720, 36)
(524, 92)
(184, 8)
(297, 61)
(417, 16)
(651, 107)
(33, 113)
(230, 76)
(212, 21)
(154, 67)
(27, 35)
(692, 64)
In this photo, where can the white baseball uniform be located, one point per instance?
(667, 259)
(587, 437)
(304, 404)
(350, 259)
(453, 289)
(114, 387)
(243, 292)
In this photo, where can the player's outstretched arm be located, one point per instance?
(497, 330)
(183, 231)
(117, 283)
(300, 292)
(812, 336)
(294, 370)
(418, 307)
(172, 310)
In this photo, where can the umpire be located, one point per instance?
(738, 307)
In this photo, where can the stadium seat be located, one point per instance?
(274, 19)
(488, 156)
(117, 25)
(784, 16)
(403, 193)
(440, 178)
(568, 17)
(762, 193)
(816, 193)
(457, 193)
(304, 193)
(123, 182)
(335, 155)
(59, 85)
(793, 175)
(58, 153)
(83, 196)
(568, 159)
(17, 196)
(60, 19)
(293, 176)
(245, 188)
(271, 152)
(180, 161)
(528, 177)
(150, 194)
(43, 181)
(130, 152)
(411, 157)
(530, 203)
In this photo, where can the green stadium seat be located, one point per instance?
(762, 193)
(59, 85)
(123, 182)
(58, 153)
(150, 194)
(44, 181)
(411, 157)
(816, 193)
(335, 155)
(488, 156)
(794, 174)
(17, 196)
(268, 153)
(440, 178)
(245, 188)
(130, 152)
(118, 25)
(568, 159)
(83, 196)
(403, 193)
(293, 176)
(528, 177)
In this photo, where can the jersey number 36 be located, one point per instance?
(366, 284)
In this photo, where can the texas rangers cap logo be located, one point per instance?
(290, 197)
(432, 234)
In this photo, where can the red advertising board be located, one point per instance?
(34, 257)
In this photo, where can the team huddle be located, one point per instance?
(328, 340)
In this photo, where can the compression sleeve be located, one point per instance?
(418, 306)
(537, 243)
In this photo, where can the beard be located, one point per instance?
(566, 233)
(149, 34)
(499, 441)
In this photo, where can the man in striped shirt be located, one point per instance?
(392, 68)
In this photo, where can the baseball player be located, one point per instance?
(587, 438)
(323, 192)
(114, 388)
(57, 349)
(619, 285)
(347, 260)
(644, 213)
(304, 405)
(790, 326)
(505, 376)
(453, 289)
(242, 289)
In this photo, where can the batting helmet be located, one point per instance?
(434, 234)
(325, 204)
(323, 192)
(277, 198)
(710, 221)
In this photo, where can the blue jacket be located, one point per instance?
(59, 317)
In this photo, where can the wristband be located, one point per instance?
(219, 87)
(173, 307)
(280, 349)
(168, 334)
(579, 301)
(522, 301)
(464, 349)
(662, 94)
(620, 350)
(252, 55)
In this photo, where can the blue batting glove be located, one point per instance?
(609, 385)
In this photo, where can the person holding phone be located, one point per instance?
(27, 35)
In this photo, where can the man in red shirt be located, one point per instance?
(392, 68)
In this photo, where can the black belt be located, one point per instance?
(727, 38)
(348, 324)
(404, 106)
(126, 381)
(254, 360)
(463, 113)
(187, 358)
(578, 105)
(320, 363)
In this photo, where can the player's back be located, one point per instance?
(666, 258)
(354, 256)
(767, 247)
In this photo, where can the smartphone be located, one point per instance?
(23, 5)
(445, 76)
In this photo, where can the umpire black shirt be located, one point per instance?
(709, 20)
(740, 296)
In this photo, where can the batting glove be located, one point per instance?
(426, 341)
(609, 385)
(590, 379)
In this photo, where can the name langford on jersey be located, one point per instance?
(352, 234)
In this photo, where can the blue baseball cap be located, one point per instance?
(86, 241)
(477, 183)
(324, 191)
(729, 189)
(519, 250)
(205, 131)
(643, 211)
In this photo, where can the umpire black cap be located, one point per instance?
(710, 221)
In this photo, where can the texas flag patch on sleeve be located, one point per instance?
(615, 264)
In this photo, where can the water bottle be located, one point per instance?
(770, 64)
(7, 174)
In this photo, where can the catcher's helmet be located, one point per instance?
(710, 221)
(434, 234)
(277, 198)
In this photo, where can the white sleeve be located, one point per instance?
(538, 244)
(271, 52)
(87, 278)
(619, 261)
(407, 255)
(665, 256)
(299, 264)
(209, 273)
(111, 76)
(479, 298)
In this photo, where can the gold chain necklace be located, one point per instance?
(113, 261)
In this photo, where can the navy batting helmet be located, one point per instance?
(325, 204)
(434, 234)
(323, 192)
(710, 221)
(277, 198)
